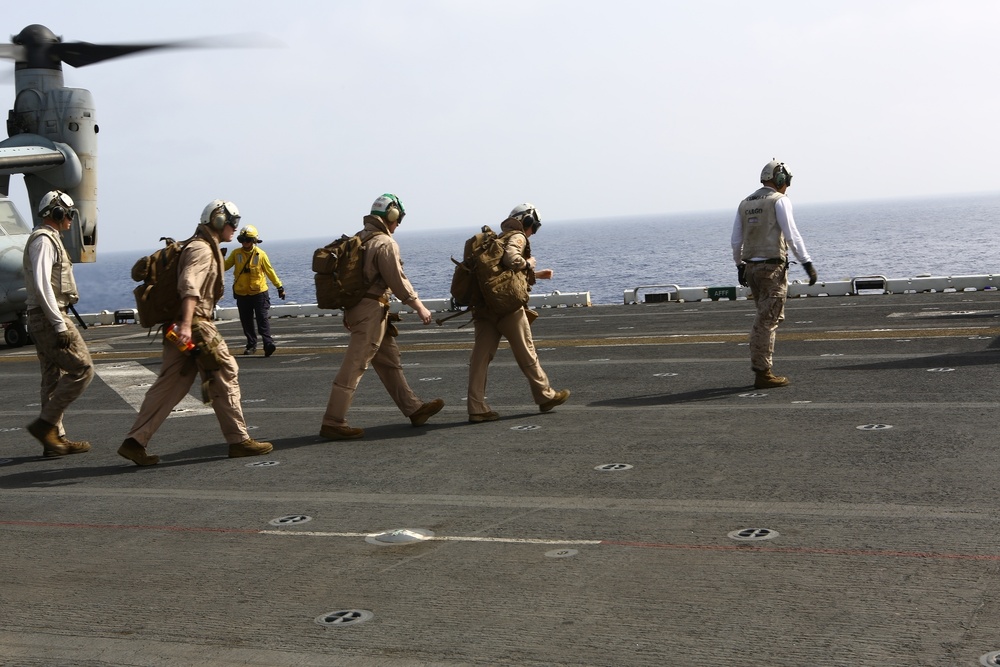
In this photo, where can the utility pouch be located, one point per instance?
(209, 342)
(390, 327)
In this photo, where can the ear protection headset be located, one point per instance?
(59, 209)
(222, 216)
(781, 176)
(392, 214)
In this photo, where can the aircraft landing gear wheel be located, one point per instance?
(15, 335)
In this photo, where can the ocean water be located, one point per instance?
(896, 239)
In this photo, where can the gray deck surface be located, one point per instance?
(884, 544)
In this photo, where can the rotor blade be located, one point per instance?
(12, 51)
(80, 54)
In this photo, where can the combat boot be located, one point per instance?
(426, 411)
(136, 453)
(767, 380)
(74, 446)
(249, 447)
(340, 432)
(47, 434)
(558, 399)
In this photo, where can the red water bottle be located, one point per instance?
(175, 339)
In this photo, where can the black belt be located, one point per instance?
(773, 260)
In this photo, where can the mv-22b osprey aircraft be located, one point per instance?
(52, 140)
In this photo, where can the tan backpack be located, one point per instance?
(156, 299)
(339, 268)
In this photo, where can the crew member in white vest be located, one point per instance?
(762, 233)
(65, 360)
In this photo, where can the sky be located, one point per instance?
(466, 108)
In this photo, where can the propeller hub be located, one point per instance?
(38, 41)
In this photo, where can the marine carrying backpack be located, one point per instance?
(339, 267)
(157, 299)
(481, 279)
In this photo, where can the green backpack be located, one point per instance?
(339, 268)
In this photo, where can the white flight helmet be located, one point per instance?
(777, 172)
(219, 213)
(56, 205)
(389, 208)
(528, 215)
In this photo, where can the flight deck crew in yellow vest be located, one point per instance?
(66, 365)
(762, 233)
(250, 288)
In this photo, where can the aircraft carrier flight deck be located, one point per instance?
(667, 514)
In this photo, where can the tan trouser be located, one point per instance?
(516, 329)
(369, 344)
(770, 289)
(66, 373)
(177, 373)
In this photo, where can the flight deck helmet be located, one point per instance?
(220, 213)
(57, 205)
(389, 208)
(249, 233)
(776, 172)
(528, 216)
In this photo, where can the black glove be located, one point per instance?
(808, 266)
(741, 274)
(64, 340)
(281, 293)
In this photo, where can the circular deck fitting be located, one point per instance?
(991, 659)
(250, 427)
(979, 338)
(832, 354)
(613, 467)
(525, 427)
(344, 618)
(600, 360)
(430, 379)
(253, 400)
(10, 429)
(874, 427)
(177, 411)
(545, 349)
(290, 519)
(33, 405)
(940, 370)
(752, 534)
(400, 536)
(263, 464)
(800, 402)
(561, 553)
(143, 385)
(664, 375)
(625, 328)
(753, 394)
(410, 364)
(4, 462)
(804, 322)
